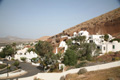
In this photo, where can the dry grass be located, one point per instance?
(97, 75)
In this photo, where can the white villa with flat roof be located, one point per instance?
(109, 47)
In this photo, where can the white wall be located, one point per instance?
(96, 38)
(63, 44)
(117, 46)
(74, 34)
(84, 33)
(109, 47)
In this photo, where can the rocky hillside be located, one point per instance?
(103, 24)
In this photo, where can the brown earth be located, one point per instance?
(44, 38)
(105, 74)
(108, 57)
(108, 23)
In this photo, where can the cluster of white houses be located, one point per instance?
(22, 52)
(104, 46)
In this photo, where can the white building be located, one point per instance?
(97, 39)
(109, 47)
(24, 53)
(105, 46)
(84, 33)
(63, 44)
(20, 46)
(75, 34)
(1, 48)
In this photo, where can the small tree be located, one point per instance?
(43, 47)
(8, 50)
(106, 37)
(2, 54)
(16, 64)
(70, 58)
(50, 59)
(35, 60)
(80, 39)
(31, 49)
(23, 59)
(69, 42)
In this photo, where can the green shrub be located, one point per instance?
(106, 37)
(70, 58)
(2, 66)
(12, 59)
(110, 52)
(61, 68)
(117, 58)
(23, 59)
(82, 71)
(35, 60)
(16, 63)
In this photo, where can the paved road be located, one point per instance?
(32, 70)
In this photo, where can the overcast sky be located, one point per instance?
(37, 18)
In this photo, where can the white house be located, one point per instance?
(20, 46)
(62, 47)
(84, 33)
(63, 44)
(75, 34)
(24, 53)
(105, 46)
(97, 39)
(64, 36)
(1, 48)
(109, 47)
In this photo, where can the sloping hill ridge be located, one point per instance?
(104, 24)
(108, 23)
(44, 38)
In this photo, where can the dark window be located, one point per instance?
(90, 37)
(104, 48)
(98, 47)
(91, 41)
(113, 46)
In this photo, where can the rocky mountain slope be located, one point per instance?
(108, 23)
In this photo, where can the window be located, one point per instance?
(104, 48)
(20, 53)
(90, 37)
(91, 41)
(113, 46)
(98, 47)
